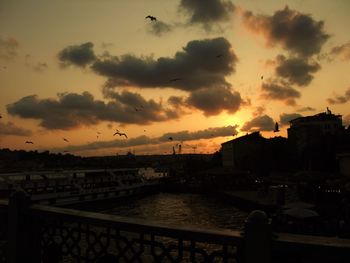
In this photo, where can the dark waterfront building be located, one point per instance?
(255, 153)
(317, 139)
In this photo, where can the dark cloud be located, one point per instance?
(272, 89)
(195, 67)
(294, 31)
(261, 123)
(341, 52)
(159, 28)
(78, 55)
(340, 99)
(296, 70)
(207, 12)
(11, 129)
(176, 101)
(71, 110)
(8, 48)
(307, 108)
(285, 118)
(212, 101)
(145, 140)
(202, 134)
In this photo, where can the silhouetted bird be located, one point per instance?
(170, 138)
(173, 80)
(29, 142)
(262, 77)
(0, 117)
(65, 140)
(120, 134)
(152, 18)
(276, 127)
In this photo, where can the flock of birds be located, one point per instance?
(170, 138)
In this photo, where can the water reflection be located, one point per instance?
(183, 209)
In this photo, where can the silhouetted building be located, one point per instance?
(241, 152)
(314, 140)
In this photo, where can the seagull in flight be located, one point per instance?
(120, 134)
(276, 127)
(29, 142)
(65, 140)
(151, 18)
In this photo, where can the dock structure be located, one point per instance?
(44, 233)
(63, 187)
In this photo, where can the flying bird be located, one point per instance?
(65, 140)
(170, 138)
(276, 127)
(151, 18)
(120, 134)
(29, 142)
(262, 77)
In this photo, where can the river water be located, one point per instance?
(182, 209)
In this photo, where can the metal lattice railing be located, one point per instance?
(3, 230)
(88, 237)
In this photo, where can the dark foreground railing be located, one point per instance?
(38, 233)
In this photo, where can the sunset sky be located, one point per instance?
(72, 72)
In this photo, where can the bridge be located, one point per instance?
(41, 233)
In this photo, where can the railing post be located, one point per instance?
(24, 244)
(257, 238)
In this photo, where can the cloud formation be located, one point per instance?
(296, 70)
(279, 90)
(159, 28)
(8, 48)
(296, 32)
(195, 67)
(285, 118)
(260, 123)
(78, 55)
(11, 129)
(307, 108)
(144, 140)
(207, 12)
(341, 52)
(212, 101)
(340, 99)
(71, 110)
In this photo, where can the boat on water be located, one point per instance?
(63, 187)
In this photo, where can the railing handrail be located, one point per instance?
(138, 225)
(308, 240)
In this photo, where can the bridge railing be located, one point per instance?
(53, 234)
